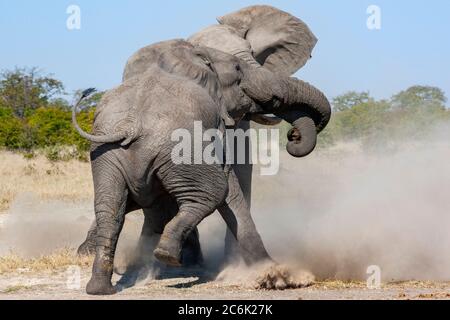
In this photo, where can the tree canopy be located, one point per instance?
(24, 90)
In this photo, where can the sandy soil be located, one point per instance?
(53, 285)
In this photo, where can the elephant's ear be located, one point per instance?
(280, 42)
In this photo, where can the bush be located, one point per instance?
(13, 133)
(53, 126)
(49, 129)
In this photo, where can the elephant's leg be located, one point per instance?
(244, 176)
(141, 262)
(178, 230)
(155, 219)
(243, 173)
(191, 254)
(110, 207)
(150, 233)
(236, 214)
(88, 246)
(198, 190)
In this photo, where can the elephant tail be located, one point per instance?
(126, 136)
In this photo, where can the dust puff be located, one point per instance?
(265, 276)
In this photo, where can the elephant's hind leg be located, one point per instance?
(110, 207)
(88, 246)
(199, 190)
(177, 231)
(192, 252)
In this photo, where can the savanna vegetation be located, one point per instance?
(35, 119)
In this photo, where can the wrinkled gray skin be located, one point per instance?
(168, 86)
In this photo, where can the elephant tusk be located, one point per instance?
(267, 120)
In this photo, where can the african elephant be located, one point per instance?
(183, 82)
(264, 37)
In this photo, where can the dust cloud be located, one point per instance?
(33, 227)
(334, 213)
(340, 211)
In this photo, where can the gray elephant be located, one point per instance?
(169, 86)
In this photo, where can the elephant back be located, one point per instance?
(147, 56)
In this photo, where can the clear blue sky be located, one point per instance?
(412, 46)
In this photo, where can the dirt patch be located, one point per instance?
(53, 285)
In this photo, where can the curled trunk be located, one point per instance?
(305, 97)
(302, 138)
(293, 100)
(309, 111)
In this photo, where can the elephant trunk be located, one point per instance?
(309, 111)
(293, 100)
(302, 138)
(305, 97)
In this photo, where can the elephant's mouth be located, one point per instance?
(238, 103)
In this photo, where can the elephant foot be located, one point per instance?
(165, 257)
(168, 251)
(87, 248)
(100, 286)
(279, 277)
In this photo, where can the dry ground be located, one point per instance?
(29, 283)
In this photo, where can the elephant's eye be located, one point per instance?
(207, 62)
(238, 67)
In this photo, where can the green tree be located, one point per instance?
(24, 90)
(13, 134)
(350, 99)
(362, 120)
(420, 98)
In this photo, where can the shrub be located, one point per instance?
(53, 127)
(13, 133)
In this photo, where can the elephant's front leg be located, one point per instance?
(236, 214)
(243, 173)
(110, 205)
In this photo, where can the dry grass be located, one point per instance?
(55, 261)
(67, 181)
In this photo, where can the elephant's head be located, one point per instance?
(272, 45)
(221, 74)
